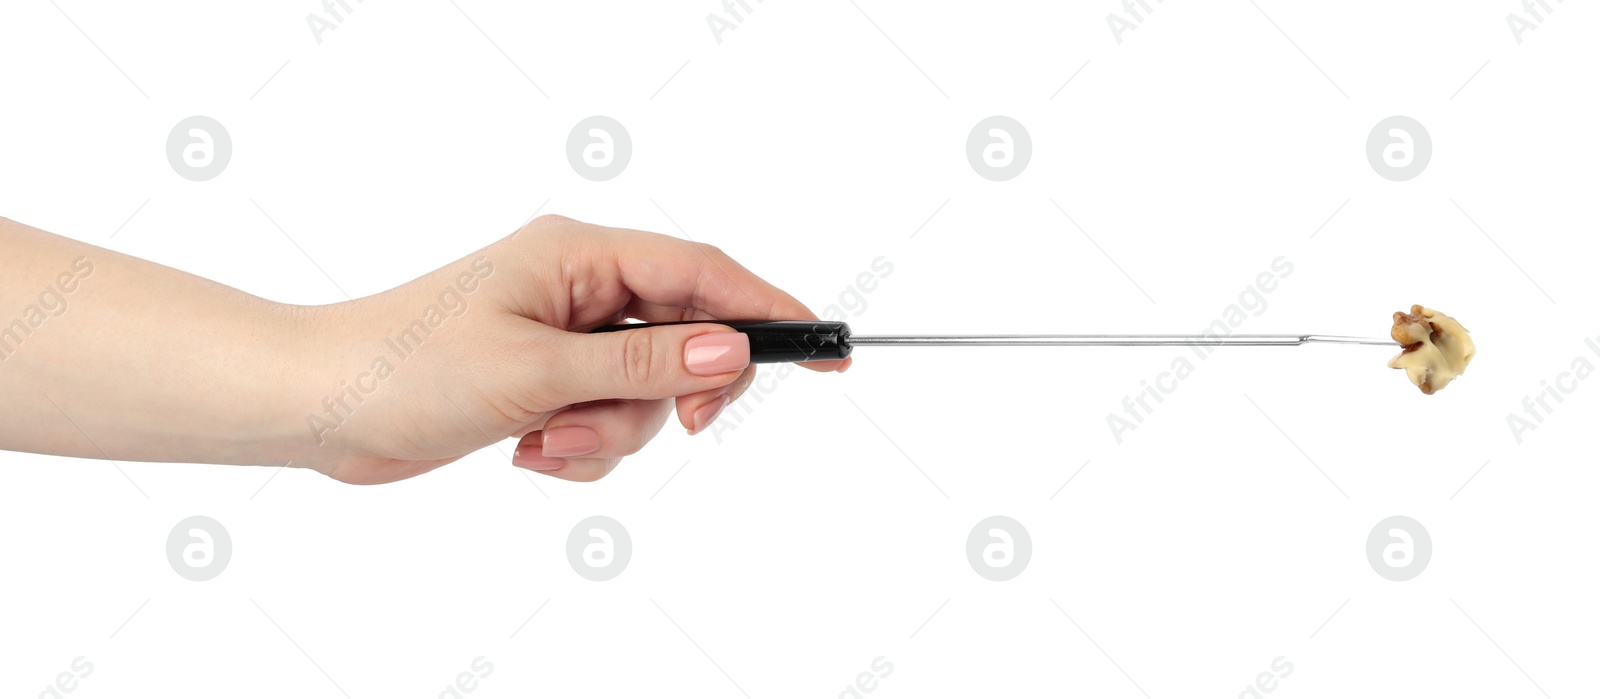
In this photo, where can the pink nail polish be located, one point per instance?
(708, 413)
(717, 353)
(562, 442)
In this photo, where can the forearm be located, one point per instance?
(103, 355)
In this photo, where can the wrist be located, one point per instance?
(312, 381)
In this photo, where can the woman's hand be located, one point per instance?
(496, 345)
(107, 356)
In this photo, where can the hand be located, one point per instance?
(495, 346)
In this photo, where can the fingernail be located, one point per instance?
(561, 442)
(530, 458)
(708, 413)
(717, 353)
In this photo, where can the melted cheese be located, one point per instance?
(1437, 348)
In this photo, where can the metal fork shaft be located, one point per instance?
(1109, 340)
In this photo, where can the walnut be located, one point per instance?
(1437, 348)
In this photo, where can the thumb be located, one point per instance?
(648, 363)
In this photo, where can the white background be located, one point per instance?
(782, 557)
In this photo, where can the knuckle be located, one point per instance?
(549, 221)
(544, 225)
(639, 362)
